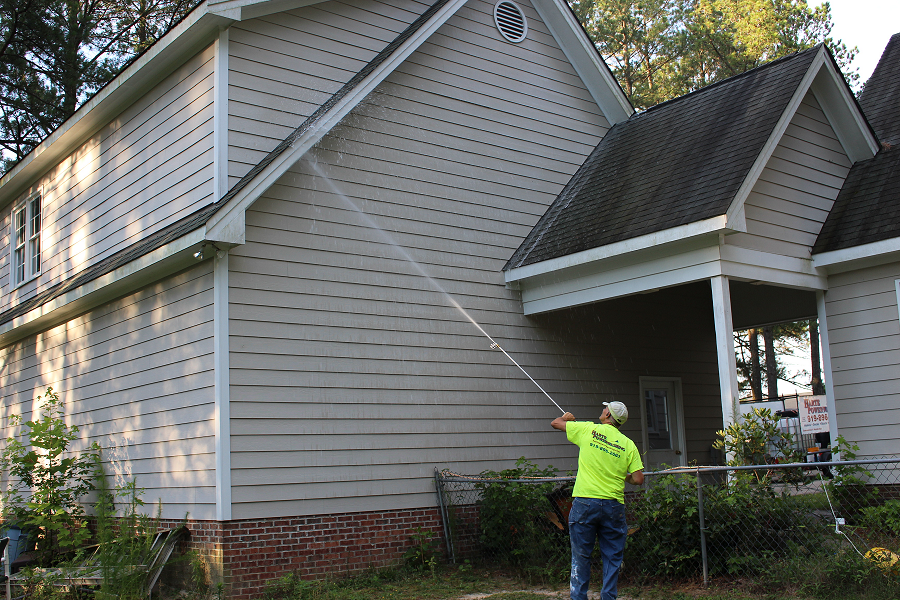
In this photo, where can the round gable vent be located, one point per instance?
(510, 21)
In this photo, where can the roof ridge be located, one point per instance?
(732, 78)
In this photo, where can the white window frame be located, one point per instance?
(897, 289)
(25, 243)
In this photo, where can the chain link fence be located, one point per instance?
(688, 522)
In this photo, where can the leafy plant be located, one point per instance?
(423, 554)
(755, 439)
(886, 517)
(514, 518)
(849, 486)
(48, 481)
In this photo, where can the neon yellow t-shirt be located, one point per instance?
(605, 456)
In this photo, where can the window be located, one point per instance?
(26, 247)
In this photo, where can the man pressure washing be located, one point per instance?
(606, 460)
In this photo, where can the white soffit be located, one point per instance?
(580, 51)
(250, 9)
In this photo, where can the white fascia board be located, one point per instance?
(227, 223)
(858, 257)
(250, 9)
(737, 205)
(775, 269)
(163, 261)
(842, 111)
(195, 32)
(583, 55)
(707, 227)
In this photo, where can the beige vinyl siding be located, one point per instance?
(864, 339)
(136, 376)
(147, 168)
(284, 66)
(352, 375)
(796, 190)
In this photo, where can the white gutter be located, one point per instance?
(711, 226)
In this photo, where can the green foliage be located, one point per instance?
(661, 49)
(754, 439)
(48, 481)
(515, 524)
(738, 514)
(886, 517)
(423, 554)
(848, 488)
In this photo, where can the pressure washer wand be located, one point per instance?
(497, 346)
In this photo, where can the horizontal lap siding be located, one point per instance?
(149, 167)
(797, 188)
(136, 376)
(352, 375)
(864, 339)
(284, 66)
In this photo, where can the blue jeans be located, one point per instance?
(603, 520)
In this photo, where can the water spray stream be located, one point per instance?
(387, 238)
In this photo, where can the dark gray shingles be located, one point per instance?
(880, 99)
(867, 208)
(679, 162)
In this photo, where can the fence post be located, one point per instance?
(439, 488)
(702, 528)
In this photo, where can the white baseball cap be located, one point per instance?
(618, 411)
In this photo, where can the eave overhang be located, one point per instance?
(858, 257)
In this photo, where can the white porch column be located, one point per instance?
(222, 390)
(825, 352)
(728, 385)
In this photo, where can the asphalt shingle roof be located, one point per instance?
(867, 208)
(880, 99)
(677, 163)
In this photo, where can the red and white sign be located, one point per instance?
(813, 414)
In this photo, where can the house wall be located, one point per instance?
(136, 377)
(352, 375)
(797, 188)
(864, 339)
(147, 168)
(282, 67)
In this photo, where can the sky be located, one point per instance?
(866, 24)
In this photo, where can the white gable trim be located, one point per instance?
(226, 224)
(580, 51)
(240, 10)
(830, 90)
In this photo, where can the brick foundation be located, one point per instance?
(250, 553)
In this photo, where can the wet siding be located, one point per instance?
(352, 377)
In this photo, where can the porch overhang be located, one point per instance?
(669, 258)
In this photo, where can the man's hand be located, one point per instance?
(636, 478)
(560, 422)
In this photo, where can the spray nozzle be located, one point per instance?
(495, 345)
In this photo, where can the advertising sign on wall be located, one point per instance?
(813, 414)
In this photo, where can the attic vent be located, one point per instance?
(510, 21)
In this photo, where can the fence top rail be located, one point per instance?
(804, 465)
(449, 476)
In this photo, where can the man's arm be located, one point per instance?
(560, 422)
(636, 478)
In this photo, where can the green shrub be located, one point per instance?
(885, 517)
(515, 525)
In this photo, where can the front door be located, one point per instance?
(663, 422)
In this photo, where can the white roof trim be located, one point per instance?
(830, 90)
(196, 31)
(858, 257)
(711, 226)
(167, 259)
(227, 223)
(583, 55)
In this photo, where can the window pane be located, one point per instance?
(658, 432)
(34, 248)
(19, 253)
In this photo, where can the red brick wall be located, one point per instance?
(250, 553)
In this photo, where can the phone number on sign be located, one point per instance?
(816, 418)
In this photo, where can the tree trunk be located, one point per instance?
(771, 365)
(755, 377)
(818, 386)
